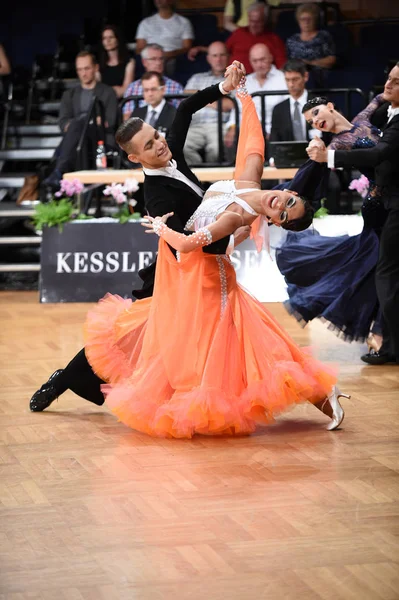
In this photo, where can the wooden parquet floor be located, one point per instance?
(90, 510)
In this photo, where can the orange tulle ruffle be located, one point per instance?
(200, 356)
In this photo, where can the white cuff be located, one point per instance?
(230, 247)
(222, 90)
(330, 159)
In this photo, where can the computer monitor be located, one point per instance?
(288, 154)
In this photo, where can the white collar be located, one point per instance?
(392, 112)
(170, 170)
(158, 109)
(301, 100)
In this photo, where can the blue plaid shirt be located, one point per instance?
(136, 89)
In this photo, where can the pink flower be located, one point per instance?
(69, 188)
(131, 185)
(361, 185)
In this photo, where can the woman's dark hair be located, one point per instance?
(123, 52)
(314, 102)
(303, 222)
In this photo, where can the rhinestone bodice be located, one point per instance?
(217, 198)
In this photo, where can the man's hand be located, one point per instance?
(317, 143)
(241, 234)
(233, 76)
(317, 154)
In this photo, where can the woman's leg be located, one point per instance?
(251, 144)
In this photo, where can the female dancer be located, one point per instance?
(333, 277)
(202, 356)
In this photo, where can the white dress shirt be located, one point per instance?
(173, 172)
(158, 109)
(392, 112)
(274, 81)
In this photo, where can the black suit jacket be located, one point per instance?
(379, 117)
(164, 194)
(282, 130)
(384, 158)
(165, 119)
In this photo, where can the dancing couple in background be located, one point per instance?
(334, 277)
(384, 159)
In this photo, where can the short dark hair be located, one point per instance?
(294, 64)
(126, 133)
(303, 222)
(314, 102)
(84, 53)
(150, 74)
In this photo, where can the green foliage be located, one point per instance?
(58, 212)
(124, 215)
(322, 212)
(55, 212)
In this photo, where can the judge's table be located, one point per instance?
(210, 175)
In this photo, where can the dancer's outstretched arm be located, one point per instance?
(226, 225)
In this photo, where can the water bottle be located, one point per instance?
(101, 158)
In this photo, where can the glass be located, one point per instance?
(289, 204)
(153, 89)
(155, 59)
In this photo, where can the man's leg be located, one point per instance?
(66, 152)
(387, 281)
(77, 376)
(195, 142)
(211, 143)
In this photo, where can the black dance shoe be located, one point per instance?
(46, 395)
(378, 358)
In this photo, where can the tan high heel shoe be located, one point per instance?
(374, 343)
(332, 405)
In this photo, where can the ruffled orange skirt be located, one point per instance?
(200, 356)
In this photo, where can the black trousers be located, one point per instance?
(79, 377)
(66, 151)
(387, 278)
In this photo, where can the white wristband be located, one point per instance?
(330, 159)
(222, 90)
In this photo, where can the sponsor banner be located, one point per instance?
(88, 259)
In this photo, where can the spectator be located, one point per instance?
(202, 139)
(235, 14)
(316, 48)
(5, 67)
(241, 41)
(75, 104)
(153, 60)
(116, 66)
(172, 31)
(265, 77)
(158, 113)
(288, 122)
